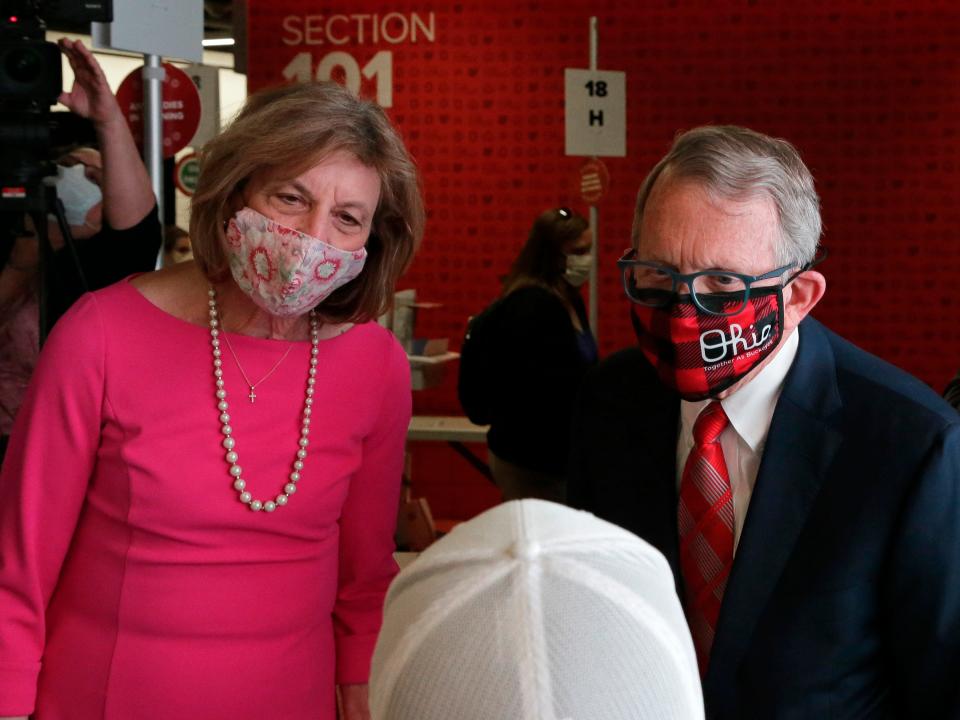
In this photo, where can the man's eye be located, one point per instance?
(656, 275)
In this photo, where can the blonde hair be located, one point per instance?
(295, 127)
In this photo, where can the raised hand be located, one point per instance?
(127, 192)
(90, 96)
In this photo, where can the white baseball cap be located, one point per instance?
(534, 611)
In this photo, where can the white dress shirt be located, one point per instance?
(750, 410)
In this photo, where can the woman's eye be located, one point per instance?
(349, 219)
(291, 200)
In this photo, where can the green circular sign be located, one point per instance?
(187, 173)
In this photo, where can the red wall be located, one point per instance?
(868, 91)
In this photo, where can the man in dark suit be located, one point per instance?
(806, 493)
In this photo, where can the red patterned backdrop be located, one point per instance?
(868, 91)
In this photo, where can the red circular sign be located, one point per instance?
(181, 108)
(594, 181)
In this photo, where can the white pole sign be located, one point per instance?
(596, 113)
(207, 80)
(169, 28)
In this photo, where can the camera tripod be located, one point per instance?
(38, 201)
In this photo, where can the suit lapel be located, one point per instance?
(799, 449)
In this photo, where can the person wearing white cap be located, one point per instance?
(534, 611)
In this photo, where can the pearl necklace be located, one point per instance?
(232, 458)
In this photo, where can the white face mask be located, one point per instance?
(77, 193)
(578, 269)
(284, 271)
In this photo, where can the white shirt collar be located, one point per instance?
(750, 408)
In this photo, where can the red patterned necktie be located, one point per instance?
(705, 523)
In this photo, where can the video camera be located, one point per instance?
(30, 82)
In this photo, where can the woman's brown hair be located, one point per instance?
(295, 127)
(541, 260)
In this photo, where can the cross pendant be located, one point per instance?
(252, 395)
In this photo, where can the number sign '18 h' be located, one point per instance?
(596, 113)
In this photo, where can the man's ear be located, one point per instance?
(805, 292)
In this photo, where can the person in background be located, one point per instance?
(114, 214)
(806, 493)
(111, 212)
(176, 246)
(541, 346)
(534, 611)
(201, 487)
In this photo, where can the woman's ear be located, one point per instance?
(235, 203)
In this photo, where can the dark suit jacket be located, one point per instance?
(844, 597)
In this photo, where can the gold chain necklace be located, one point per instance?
(253, 396)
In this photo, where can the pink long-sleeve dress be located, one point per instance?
(133, 583)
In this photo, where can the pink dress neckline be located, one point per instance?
(235, 338)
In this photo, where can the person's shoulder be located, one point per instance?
(867, 380)
(376, 342)
(624, 377)
(625, 359)
(532, 290)
(115, 313)
(375, 335)
(161, 284)
(77, 339)
(85, 312)
(99, 304)
(532, 308)
(626, 364)
(375, 351)
(531, 296)
(179, 290)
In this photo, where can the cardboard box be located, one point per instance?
(429, 347)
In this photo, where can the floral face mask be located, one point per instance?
(284, 271)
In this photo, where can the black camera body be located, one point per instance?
(30, 82)
(77, 11)
(31, 136)
(30, 75)
(29, 68)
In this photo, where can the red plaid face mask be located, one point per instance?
(701, 355)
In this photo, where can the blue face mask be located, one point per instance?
(77, 193)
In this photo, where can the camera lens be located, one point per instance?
(23, 65)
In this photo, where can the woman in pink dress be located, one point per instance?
(198, 502)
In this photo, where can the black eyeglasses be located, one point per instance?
(715, 292)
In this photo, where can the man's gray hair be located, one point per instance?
(740, 164)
